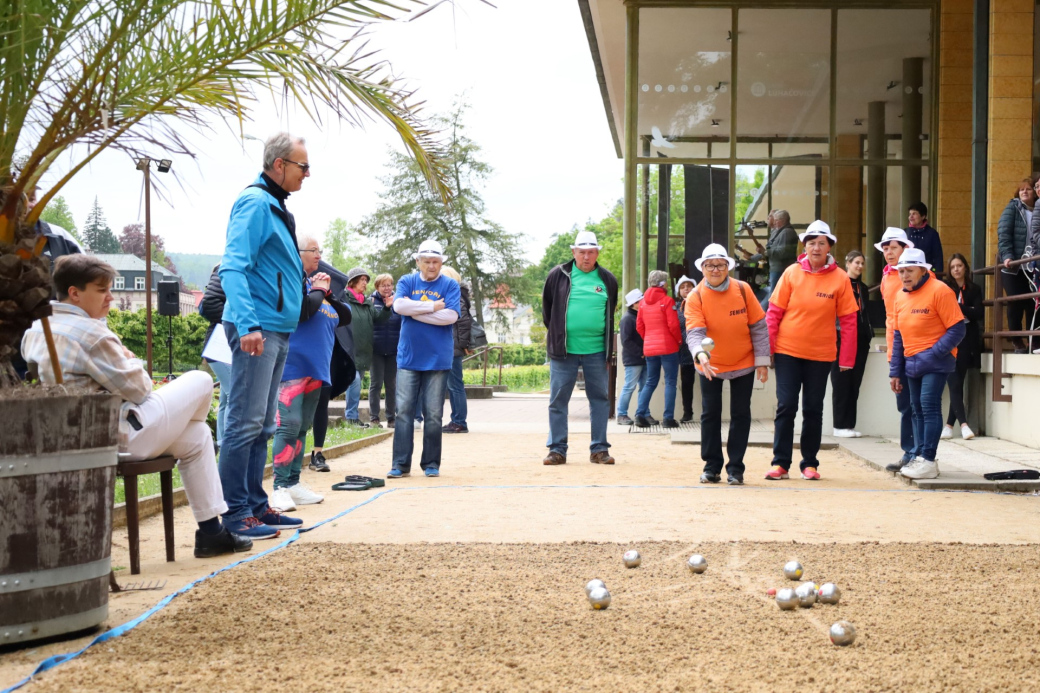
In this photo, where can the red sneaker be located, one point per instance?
(811, 474)
(777, 473)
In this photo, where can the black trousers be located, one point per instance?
(956, 384)
(687, 377)
(339, 385)
(384, 370)
(739, 424)
(1015, 284)
(845, 387)
(796, 376)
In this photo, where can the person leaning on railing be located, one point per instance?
(969, 351)
(1013, 232)
(928, 326)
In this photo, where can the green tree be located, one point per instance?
(58, 213)
(189, 332)
(483, 252)
(96, 234)
(344, 246)
(79, 77)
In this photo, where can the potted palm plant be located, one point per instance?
(78, 77)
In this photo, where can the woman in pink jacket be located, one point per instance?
(658, 325)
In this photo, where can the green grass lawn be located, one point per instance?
(148, 485)
(516, 378)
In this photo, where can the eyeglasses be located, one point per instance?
(715, 266)
(303, 167)
(317, 251)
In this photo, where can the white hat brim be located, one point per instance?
(586, 247)
(810, 234)
(416, 256)
(925, 265)
(700, 261)
(906, 244)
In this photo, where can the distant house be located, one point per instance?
(508, 323)
(129, 285)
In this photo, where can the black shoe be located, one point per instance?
(357, 423)
(210, 545)
(318, 463)
(686, 418)
(653, 421)
(389, 423)
(643, 422)
(735, 480)
(903, 461)
(670, 423)
(625, 421)
(455, 428)
(375, 423)
(709, 478)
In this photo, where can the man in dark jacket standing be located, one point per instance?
(923, 236)
(578, 303)
(780, 251)
(631, 356)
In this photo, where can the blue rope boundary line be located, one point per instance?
(54, 661)
(125, 628)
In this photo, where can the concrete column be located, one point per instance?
(913, 100)
(664, 214)
(876, 175)
(628, 239)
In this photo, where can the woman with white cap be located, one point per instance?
(726, 311)
(658, 325)
(631, 356)
(812, 296)
(687, 372)
(928, 326)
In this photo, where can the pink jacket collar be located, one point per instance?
(803, 261)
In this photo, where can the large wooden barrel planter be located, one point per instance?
(58, 456)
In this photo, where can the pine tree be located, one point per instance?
(96, 234)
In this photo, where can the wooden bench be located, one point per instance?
(130, 470)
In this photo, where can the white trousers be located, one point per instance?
(173, 422)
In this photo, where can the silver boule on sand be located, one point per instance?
(599, 598)
(829, 593)
(786, 599)
(806, 593)
(793, 570)
(593, 584)
(632, 559)
(697, 564)
(843, 633)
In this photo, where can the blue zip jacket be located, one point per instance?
(385, 336)
(261, 270)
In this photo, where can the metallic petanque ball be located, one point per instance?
(793, 570)
(829, 593)
(786, 599)
(806, 593)
(707, 344)
(599, 598)
(593, 584)
(632, 559)
(843, 633)
(697, 564)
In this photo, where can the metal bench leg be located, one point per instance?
(166, 484)
(132, 523)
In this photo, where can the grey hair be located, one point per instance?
(781, 215)
(279, 146)
(305, 242)
(657, 278)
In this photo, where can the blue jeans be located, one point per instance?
(670, 362)
(926, 399)
(634, 376)
(251, 409)
(457, 393)
(563, 374)
(906, 419)
(409, 383)
(353, 398)
(796, 376)
(223, 373)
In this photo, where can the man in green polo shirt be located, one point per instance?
(578, 303)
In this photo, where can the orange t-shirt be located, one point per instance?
(812, 303)
(923, 316)
(891, 286)
(726, 315)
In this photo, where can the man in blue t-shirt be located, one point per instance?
(428, 304)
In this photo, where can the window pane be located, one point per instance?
(783, 77)
(884, 73)
(684, 82)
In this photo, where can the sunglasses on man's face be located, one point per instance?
(303, 167)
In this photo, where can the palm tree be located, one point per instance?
(81, 76)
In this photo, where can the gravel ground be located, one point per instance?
(440, 617)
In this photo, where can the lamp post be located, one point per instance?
(145, 166)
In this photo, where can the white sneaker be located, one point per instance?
(947, 433)
(966, 433)
(845, 433)
(304, 496)
(921, 468)
(281, 501)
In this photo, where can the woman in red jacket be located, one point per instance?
(658, 325)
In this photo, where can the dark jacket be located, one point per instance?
(1013, 233)
(631, 342)
(556, 292)
(781, 249)
(385, 334)
(685, 357)
(864, 330)
(969, 351)
(927, 239)
(212, 306)
(57, 245)
(365, 317)
(938, 358)
(465, 322)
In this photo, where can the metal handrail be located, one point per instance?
(483, 351)
(998, 323)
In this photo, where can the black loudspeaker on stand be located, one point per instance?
(169, 305)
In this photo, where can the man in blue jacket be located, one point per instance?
(263, 279)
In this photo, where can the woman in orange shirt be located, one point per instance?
(725, 310)
(811, 297)
(928, 325)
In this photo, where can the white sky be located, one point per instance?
(535, 108)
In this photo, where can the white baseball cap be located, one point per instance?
(818, 228)
(913, 257)
(633, 296)
(893, 234)
(586, 240)
(430, 248)
(712, 251)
